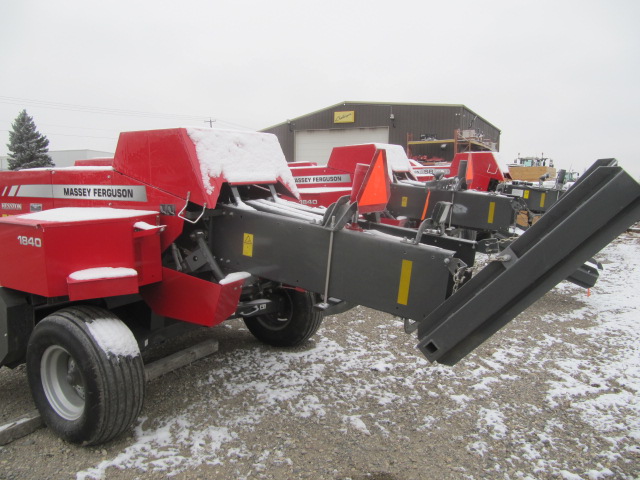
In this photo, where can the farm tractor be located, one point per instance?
(189, 227)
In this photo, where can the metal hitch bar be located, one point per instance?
(591, 214)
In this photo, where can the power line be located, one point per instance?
(113, 111)
(94, 109)
(68, 135)
(80, 136)
(74, 127)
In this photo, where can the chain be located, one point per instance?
(458, 277)
(500, 245)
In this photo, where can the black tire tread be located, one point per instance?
(121, 379)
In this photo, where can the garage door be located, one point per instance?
(316, 145)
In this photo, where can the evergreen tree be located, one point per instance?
(28, 148)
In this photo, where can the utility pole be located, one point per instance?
(210, 122)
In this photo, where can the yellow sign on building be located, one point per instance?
(344, 117)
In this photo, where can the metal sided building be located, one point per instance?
(429, 132)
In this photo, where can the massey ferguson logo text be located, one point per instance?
(98, 192)
(123, 193)
(135, 193)
(324, 179)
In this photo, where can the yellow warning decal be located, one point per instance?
(542, 199)
(405, 282)
(404, 201)
(526, 194)
(492, 211)
(247, 245)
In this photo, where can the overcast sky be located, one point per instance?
(557, 77)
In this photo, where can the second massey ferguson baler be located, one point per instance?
(476, 210)
(187, 227)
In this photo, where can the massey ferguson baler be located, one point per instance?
(468, 184)
(188, 227)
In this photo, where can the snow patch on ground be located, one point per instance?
(605, 390)
(174, 445)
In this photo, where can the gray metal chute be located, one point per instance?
(594, 211)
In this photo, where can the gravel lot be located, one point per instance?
(553, 395)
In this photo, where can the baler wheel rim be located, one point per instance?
(302, 320)
(63, 386)
(278, 321)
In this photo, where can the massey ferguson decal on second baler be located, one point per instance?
(188, 227)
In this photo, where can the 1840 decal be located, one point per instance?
(29, 241)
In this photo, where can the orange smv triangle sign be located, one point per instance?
(375, 192)
(470, 172)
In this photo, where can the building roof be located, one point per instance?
(349, 102)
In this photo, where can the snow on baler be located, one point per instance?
(189, 227)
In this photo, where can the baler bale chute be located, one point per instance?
(188, 227)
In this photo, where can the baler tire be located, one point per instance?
(295, 325)
(88, 390)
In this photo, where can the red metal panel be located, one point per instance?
(302, 164)
(38, 256)
(94, 162)
(102, 287)
(147, 255)
(22, 257)
(191, 299)
(167, 160)
(482, 167)
(346, 158)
